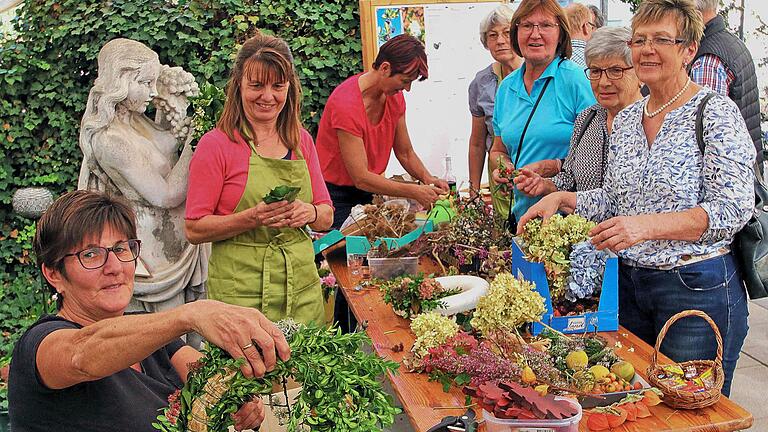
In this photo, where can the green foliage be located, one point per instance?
(48, 65)
(340, 387)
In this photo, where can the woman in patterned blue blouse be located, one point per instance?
(670, 212)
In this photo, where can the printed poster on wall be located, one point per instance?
(393, 21)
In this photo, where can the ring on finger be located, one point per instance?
(245, 347)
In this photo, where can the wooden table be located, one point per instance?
(426, 404)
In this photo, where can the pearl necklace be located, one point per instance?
(670, 102)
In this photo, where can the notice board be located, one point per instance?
(437, 110)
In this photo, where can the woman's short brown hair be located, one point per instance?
(405, 54)
(526, 8)
(690, 24)
(71, 219)
(268, 59)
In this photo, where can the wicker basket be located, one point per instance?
(681, 398)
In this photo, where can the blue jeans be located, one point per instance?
(649, 297)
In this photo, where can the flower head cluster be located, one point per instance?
(174, 407)
(510, 303)
(429, 287)
(551, 242)
(587, 267)
(431, 329)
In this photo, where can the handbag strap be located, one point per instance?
(700, 121)
(527, 123)
(761, 192)
(587, 122)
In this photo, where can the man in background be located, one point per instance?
(598, 14)
(581, 20)
(724, 64)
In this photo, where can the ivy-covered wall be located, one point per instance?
(48, 65)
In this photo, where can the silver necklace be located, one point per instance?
(670, 102)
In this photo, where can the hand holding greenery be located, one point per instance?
(282, 193)
(339, 390)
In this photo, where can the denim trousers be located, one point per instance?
(649, 297)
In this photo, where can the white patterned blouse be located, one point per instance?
(672, 176)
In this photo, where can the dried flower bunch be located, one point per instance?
(414, 294)
(551, 243)
(431, 330)
(339, 392)
(509, 303)
(473, 242)
(385, 219)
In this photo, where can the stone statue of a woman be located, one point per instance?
(127, 153)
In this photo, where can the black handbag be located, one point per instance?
(750, 245)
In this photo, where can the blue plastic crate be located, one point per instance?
(605, 319)
(361, 245)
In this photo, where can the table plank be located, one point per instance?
(426, 404)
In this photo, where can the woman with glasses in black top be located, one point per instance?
(92, 368)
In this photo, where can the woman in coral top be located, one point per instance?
(262, 256)
(364, 121)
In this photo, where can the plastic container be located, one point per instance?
(390, 268)
(493, 424)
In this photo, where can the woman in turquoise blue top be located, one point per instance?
(537, 104)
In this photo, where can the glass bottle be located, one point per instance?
(449, 177)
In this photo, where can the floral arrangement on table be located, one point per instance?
(497, 350)
(472, 243)
(574, 267)
(339, 390)
(412, 294)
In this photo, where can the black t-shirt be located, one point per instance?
(127, 401)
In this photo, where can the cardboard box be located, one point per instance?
(606, 318)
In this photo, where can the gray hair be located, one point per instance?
(502, 15)
(707, 5)
(599, 17)
(608, 42)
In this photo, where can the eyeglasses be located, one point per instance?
(546, 27)
(95, 257)
(498, 36)
(640, 42)
(614, 73)
(594, 26)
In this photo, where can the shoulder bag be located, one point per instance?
(750, 246)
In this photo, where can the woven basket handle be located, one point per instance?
(683, 314)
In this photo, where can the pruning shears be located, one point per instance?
(463, 423)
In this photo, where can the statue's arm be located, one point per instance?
(129, 169)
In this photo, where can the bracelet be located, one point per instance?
(315, 219)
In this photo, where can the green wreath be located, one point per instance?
(340, 390)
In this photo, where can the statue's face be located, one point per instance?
(142, 89)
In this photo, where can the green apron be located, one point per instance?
(269, 269)
(501, 203)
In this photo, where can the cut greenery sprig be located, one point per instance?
(340, 391)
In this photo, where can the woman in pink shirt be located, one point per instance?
(364, 122)
(262, 256)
